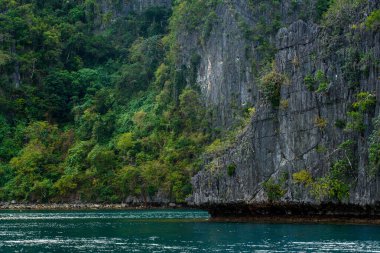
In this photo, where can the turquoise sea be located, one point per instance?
(171, 231)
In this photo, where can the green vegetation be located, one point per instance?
(373, 20)
(365, 102)
(335, 185)
(273, 190)
(339, 14)
(342, 22)
(341, 42)
(341, 124)
(216, 146)
(309, 82)
(320, 122)
(319, 82)
(271, 86)
(374, 148)
(91, 107)
(303, 177)
(322, 7)
(231, 169)
(284, 104)
(199, 15)
(194, 15)
(332, 186)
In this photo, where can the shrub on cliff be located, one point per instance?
(374, 148)
(373, 21)
(231, 168)
(303, 177)
(273, 190)
(365, 103)
(270, 85)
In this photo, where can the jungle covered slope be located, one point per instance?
(88, 111)
(114, 101)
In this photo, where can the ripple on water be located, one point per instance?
(171, 231)
(111, 244)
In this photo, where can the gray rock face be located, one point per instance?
(280, 142)
(230, 57)
(159, 199)
(225, 75)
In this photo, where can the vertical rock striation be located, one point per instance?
(302, 133)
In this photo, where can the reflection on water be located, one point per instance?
(130, 214)
(172, 231)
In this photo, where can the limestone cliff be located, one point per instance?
(233, 50)
(324, 66)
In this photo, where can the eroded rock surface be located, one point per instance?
(279, 142)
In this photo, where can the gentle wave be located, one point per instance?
(172, 231)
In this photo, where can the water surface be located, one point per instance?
(172, 231)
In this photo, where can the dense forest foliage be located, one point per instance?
(87, 111)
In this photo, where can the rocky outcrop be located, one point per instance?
(232, 52)
(301, 134)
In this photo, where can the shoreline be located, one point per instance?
(314, 220)
(87, 206)
(293, 212)
(264, 214)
